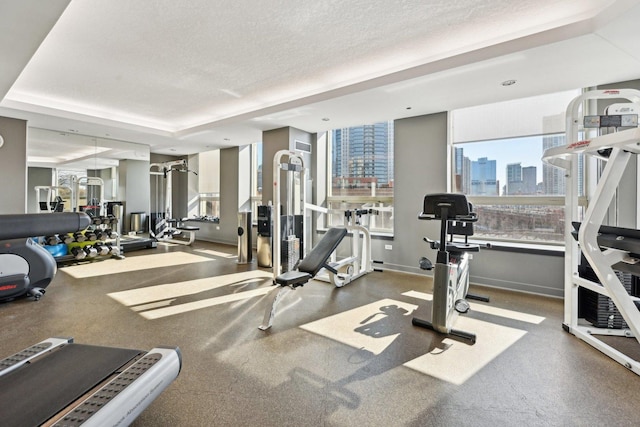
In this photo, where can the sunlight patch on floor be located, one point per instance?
(215, 253)
(153, 302)
(457, 362)
(166, 291)
(197, 305)
(486, 308)
(129, 264)
(369, 327)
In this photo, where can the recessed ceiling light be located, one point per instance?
(508, 82)
(325, 119)
(408, 108)
(227, 139)
(172, 149)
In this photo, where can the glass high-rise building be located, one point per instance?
(552, 177)
(483, 177)
(363, 152)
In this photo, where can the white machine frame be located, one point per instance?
(87, 181)
(623, 145)
(294, 164)
(359, 262)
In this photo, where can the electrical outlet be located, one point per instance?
(388, 247)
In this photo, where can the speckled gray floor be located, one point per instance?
(311, 369)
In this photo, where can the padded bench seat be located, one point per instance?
(188, 228)
(293, 278)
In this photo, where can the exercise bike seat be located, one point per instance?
(462, 247)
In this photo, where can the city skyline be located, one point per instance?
(507, 167)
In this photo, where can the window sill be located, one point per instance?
(525, 248)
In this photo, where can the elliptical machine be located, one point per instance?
(451, 276)
(27, 268)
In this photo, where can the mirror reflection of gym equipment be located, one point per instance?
(163, 226)
(101, 238)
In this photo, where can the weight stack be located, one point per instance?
(597, 309)
(290, 253)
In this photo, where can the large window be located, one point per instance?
(516, 196)
(209, 184)
(361, 173)
(496, 161)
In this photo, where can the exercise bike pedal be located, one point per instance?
(462, 306)
(425, 264)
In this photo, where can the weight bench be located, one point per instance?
(315, 261)
(188, 230)
(181, 230)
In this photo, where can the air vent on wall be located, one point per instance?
(304, 147)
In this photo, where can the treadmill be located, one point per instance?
(57, 382)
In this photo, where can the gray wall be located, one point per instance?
(133, 188)
(272, 142)
(420, 167)
(13, 166)
(229, 167)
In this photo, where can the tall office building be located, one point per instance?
(521, 180)
(514, 179)
(553, 180)
(529, 180)
(483, 177)
(363, 152)
(462, 165)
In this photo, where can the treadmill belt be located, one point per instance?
(36, 392)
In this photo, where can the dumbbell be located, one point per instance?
(51, 240)
(79, 237)
(90, 251)
(113, 250)
(91, 235)
(78, 252)
(110, 233)
(66, 238)
(102, 249)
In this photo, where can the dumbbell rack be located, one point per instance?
(83, 246)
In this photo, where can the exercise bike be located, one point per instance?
(451, 276)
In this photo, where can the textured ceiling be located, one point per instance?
(194, 74)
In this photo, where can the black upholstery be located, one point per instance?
(457, 207)
(315, 260)
(15, 226)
